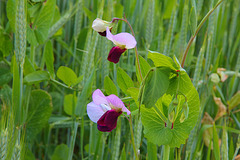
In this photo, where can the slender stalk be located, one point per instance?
(132, 137)
(32, 54)
(196, 32)
(65, 86)
(166, 152)
(21, 94)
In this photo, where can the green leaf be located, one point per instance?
(40, 109)
(144, 66)
(36, 77)
(152, 151)
(84, 95)
(155, 126)
(123, 80)
(60, 152)
(15, 86)
(235, 101)
(216, 149)
(160, 60)
(67, 75)
(68, 103)
(6, 44)
(28, 66)
(155, 85)
(169, 8)
(11, 12)
(42, 23)
(49, 58)
(109, 86)
(5, 76)
(193, 20)
(123, 153)
(182, 82)
(29, 155)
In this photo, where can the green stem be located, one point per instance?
(63, 85)
(132, 137)
(21, 94)
(32, 54)
(7, 62)
(166, 152)
(196, 32)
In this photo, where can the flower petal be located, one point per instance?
(115, 54)
(117, 102)
(122, 39)
(94, 112)
(108, 121)
(99, 25)
(99, 98)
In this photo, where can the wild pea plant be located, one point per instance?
(60, 58)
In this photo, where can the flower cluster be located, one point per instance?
(105, 110)
(123, 41)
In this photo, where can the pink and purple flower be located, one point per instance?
(123, 41)
(105, 110)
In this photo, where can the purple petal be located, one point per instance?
(122, 39)
(115, 54)
(94, 112)
(98, 97)
(117, 102)
(102, 33)
(108, 121)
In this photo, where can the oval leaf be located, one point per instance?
(40, 109)
(36, 77)
(67, 75)
(109, 86)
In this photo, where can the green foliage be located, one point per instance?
(123, 80)
(67, 75)
(154, 124)
(36, 77)
(60, 152)
(155, 85)
(39, 38)
(109, 86)
(5, 76)
(40, 109)
(70, 101)
(49, 58)
(38, 27)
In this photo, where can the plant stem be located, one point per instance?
(132, 137)
(166, 152)
(63, 85)
(196, 32)
(32, 54)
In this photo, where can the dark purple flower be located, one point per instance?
(123, 41)
(105, 110)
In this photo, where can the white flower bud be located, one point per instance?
(215, 78)
(100, 25)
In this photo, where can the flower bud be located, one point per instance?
(215, 78)
(100, 25)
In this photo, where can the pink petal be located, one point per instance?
(94, 112)
(117, 102)
(115, 54)
(98, 97)
(123, 39)
(108, 121)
